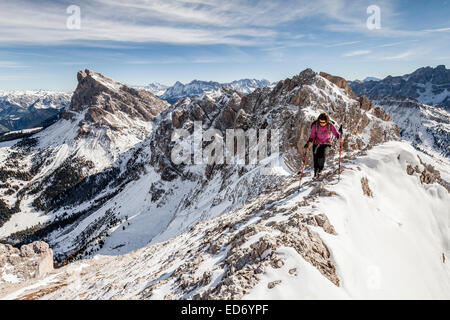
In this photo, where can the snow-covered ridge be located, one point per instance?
(366, 237)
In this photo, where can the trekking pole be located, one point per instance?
(303, 166)
(340, 149)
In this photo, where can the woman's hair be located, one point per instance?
(323, 117)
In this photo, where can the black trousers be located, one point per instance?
(319, 157)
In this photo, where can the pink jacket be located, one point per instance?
(323, 136)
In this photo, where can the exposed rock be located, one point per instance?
(273, 284)
(426, 127)
(31, 261)
(340, 82)
(381, 113)
(322, 221)
(108, 103)
(365, 103)
(428, 175)
(365, 187)
(320, 191)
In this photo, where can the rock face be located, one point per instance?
(110, 104)
(31, 261)
(427, 85)
(340, 82)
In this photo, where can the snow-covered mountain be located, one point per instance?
(197, 88)
(427, 127)
(28, 109)
(371, 79)
(428, 85)
(80, 172)
(156, 88)
(41, 174)
(367, 237)
(102, 183)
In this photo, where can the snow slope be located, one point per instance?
(426, 126)
(388, 246)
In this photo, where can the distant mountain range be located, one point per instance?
(156, 88)
(371, 79)
(28, 109)
(419, 103)
(198, 88)
(427, 85)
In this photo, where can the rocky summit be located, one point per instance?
(108, 104)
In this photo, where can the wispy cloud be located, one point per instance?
(356, 53)
(341, 44)
(168, 21)
(399, 56)
(11, 64)
(438, 30)
(396, 43)
(232, 22)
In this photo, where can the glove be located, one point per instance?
(306, 147)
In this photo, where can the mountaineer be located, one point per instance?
(320, 139)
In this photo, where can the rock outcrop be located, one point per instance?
(340, 82)
(110, 104)
(33, 260)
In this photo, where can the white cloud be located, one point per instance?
(437, 30)
(11, 64)
(399, 56)
(169, 21)
(263, 23)
(356, 53)
(341, 44)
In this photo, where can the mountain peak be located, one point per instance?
(340, 82)
(97, 80)
(110, 104)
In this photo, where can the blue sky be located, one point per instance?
(142, 41)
